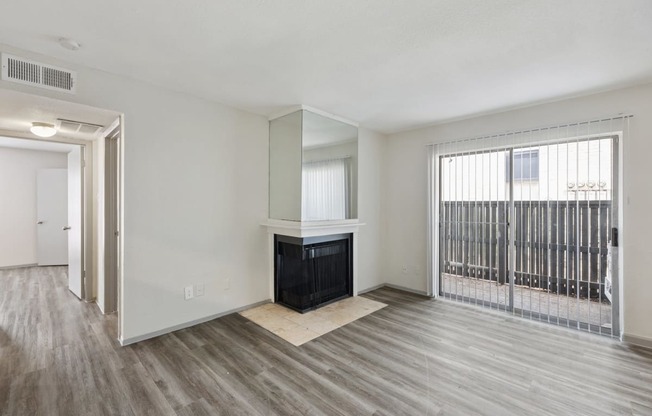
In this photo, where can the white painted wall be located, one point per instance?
(371, 161)
(406, 198)
(18, 169)
(195, 194)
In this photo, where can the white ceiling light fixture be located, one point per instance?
(70, 44)
(43, 129)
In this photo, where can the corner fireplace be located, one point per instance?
(311, 272)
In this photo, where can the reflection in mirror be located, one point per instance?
(329, 169)
(285, 167)
(313, 168)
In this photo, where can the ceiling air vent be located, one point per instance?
(72, 126)
(36, 74)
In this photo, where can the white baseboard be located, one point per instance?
(173, 328)
(406, 289)
(370, 289)
(638, 340)
(184, 325)
(18, 266)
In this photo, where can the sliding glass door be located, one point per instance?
(474, 213)
(530, 229)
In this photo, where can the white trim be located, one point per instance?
(637, 340)
(133, 340)
(295, 108)
(102, 133)
(87, 214)
(311, 228)
(621, 226)
(432, 267)
(139, 338)
(97, 303)
(121, 224)
(371, 289)
(18, 266)
(407, 289)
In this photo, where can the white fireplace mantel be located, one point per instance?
(303, 229)
(311, 228)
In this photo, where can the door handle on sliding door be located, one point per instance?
(614, 237)
(66, 228)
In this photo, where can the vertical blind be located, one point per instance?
(521, 221)
(325, 190)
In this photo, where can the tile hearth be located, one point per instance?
(297, 328)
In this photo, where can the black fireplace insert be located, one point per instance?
(314, 271)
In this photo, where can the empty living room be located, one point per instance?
(325, 207)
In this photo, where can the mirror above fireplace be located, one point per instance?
(313, 166)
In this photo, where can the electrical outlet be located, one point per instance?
(405, 269)
(188, 293)
(199, 289)
(227, 283)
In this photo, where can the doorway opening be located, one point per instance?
(54, 173)
(531, 228)
(111, 262)
(81, 139)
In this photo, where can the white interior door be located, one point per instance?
(52, 216)
(74, 226)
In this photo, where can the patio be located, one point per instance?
(529, 301)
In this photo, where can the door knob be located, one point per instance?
(40, 222)
(66, 228)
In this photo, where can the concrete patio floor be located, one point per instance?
(530, 300)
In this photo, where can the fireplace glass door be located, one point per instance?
(312, 272)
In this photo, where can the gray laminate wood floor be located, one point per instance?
(58, 356)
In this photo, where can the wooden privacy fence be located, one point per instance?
(556, 242)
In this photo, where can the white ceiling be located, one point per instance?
(389, 65)
(18, 111)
